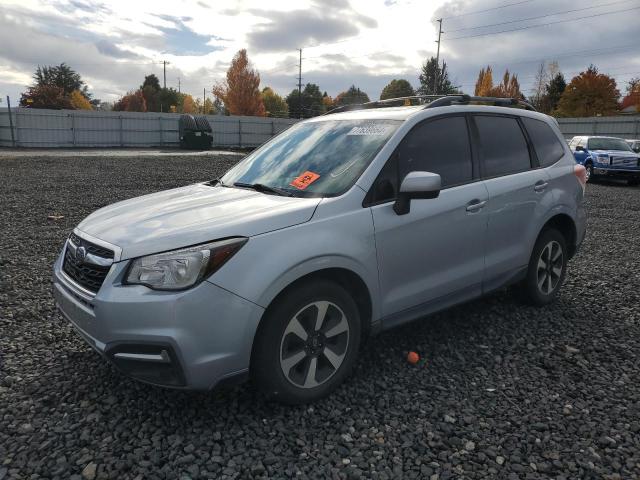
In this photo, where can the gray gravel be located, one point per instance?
(507, 391)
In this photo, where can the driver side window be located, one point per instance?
(439, 146)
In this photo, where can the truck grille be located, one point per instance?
(89, 268)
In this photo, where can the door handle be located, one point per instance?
(540, 186)
(475, 205)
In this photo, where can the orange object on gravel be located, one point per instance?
(413, 358)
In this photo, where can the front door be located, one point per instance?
(436, 251)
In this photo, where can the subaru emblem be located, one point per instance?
(81, 254)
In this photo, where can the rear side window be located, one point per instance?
(547, 145)
(440, 146)
(504, 148)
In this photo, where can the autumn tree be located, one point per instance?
(188, 104)
(45, 96)
(327, 101)
(352, 96)
(79, 101)
(306, 103)
(274, 104)
(484, 83)
(509, 88)
(131, 102)
(396, 89)
(240, 91)
(435, 79)
(53, 86)
(589, 94)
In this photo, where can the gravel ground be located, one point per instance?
(507, 391)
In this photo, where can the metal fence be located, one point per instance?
(627, 127)
(80, 128)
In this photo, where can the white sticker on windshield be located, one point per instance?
(369, 129)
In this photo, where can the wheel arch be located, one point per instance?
(346, 278)
(566, 226)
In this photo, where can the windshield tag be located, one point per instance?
(304, 180)
(369, 129)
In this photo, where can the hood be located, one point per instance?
(193, 214)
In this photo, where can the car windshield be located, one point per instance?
(315, 159)
(608, 144)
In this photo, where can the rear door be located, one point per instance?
(437, 249)
(516, 186)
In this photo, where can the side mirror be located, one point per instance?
(579, 148)
(416, 185)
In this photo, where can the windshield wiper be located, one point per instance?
(216, 181)
(261, 187)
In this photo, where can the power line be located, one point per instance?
(545, 24)
(539, 16)
(487, 10)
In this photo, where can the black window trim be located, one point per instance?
(475, 167)
(533, 159)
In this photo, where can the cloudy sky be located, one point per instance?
(113, 44)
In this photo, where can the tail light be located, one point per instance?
(581, 174)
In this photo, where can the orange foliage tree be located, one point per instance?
(189, 105)
(589, 94)
(131, 102)
(485, 82)
(240, 92)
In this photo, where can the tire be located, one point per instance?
(543, 280)
(288, 347)
(589, 168)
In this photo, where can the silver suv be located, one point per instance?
(344, 225)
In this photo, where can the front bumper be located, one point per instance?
(616, 171)
(191, 339)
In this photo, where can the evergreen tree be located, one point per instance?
(435, 79)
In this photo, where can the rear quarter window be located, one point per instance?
(545, 142)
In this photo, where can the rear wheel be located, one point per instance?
(307, 343)
(547, 268)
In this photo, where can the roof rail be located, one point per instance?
(466, 99)
(389, 102)
(432, 101)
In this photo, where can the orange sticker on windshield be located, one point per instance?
(304, 180)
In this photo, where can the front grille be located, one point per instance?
(86, 274)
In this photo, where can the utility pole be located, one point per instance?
(178, 84)
(204, 100)
(435, 74)
(300, 85)
(164, 71)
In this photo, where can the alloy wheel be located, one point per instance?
(314, 344)
(550, 265)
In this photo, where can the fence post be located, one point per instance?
(161, 132)
(13, 140)
(240, 133)
(73, 128)
(121, 137)
(17, 128)
(595, 125)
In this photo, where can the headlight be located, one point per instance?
(184, 268)
(602, 158)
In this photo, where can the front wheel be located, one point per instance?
(547, 268)
(307, 343)
(589, 169)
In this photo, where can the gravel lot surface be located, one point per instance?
(507, 391)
